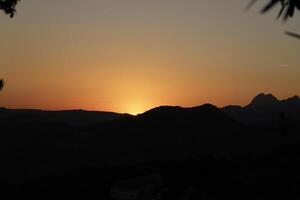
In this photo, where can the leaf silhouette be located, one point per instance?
(8, 6)
(288, 8)
(1, 84)
(295, 35)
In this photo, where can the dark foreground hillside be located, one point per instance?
(165, 153)
(269, 176)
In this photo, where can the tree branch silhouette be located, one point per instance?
(288, 8)
(8, 6)
(287, 11)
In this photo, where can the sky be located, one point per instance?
(128, 56)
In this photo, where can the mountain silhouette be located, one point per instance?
(39, 144)
(172, 119)
(292, 102)
(269, 102)
(205, 116)
(265, 110)
(263, 101)
(68, 117)
(161, 133)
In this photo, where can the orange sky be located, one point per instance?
(129, 56)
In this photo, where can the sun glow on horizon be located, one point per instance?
(135, 108)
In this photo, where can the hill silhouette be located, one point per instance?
(61, 150)
(263, 101)
(68, 117)
(265, 110)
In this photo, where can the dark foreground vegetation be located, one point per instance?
(269, 176)
(165, 153)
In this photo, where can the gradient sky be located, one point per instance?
(131, 55)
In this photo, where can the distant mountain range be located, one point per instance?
(265, 110)
(43, 142)
(269, 102)
(68, 117)
(75, 139)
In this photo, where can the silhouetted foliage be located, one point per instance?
(295, 35)
(9, 6)
(288, 9)
(1, 84)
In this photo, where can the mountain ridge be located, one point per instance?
(263, 108)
